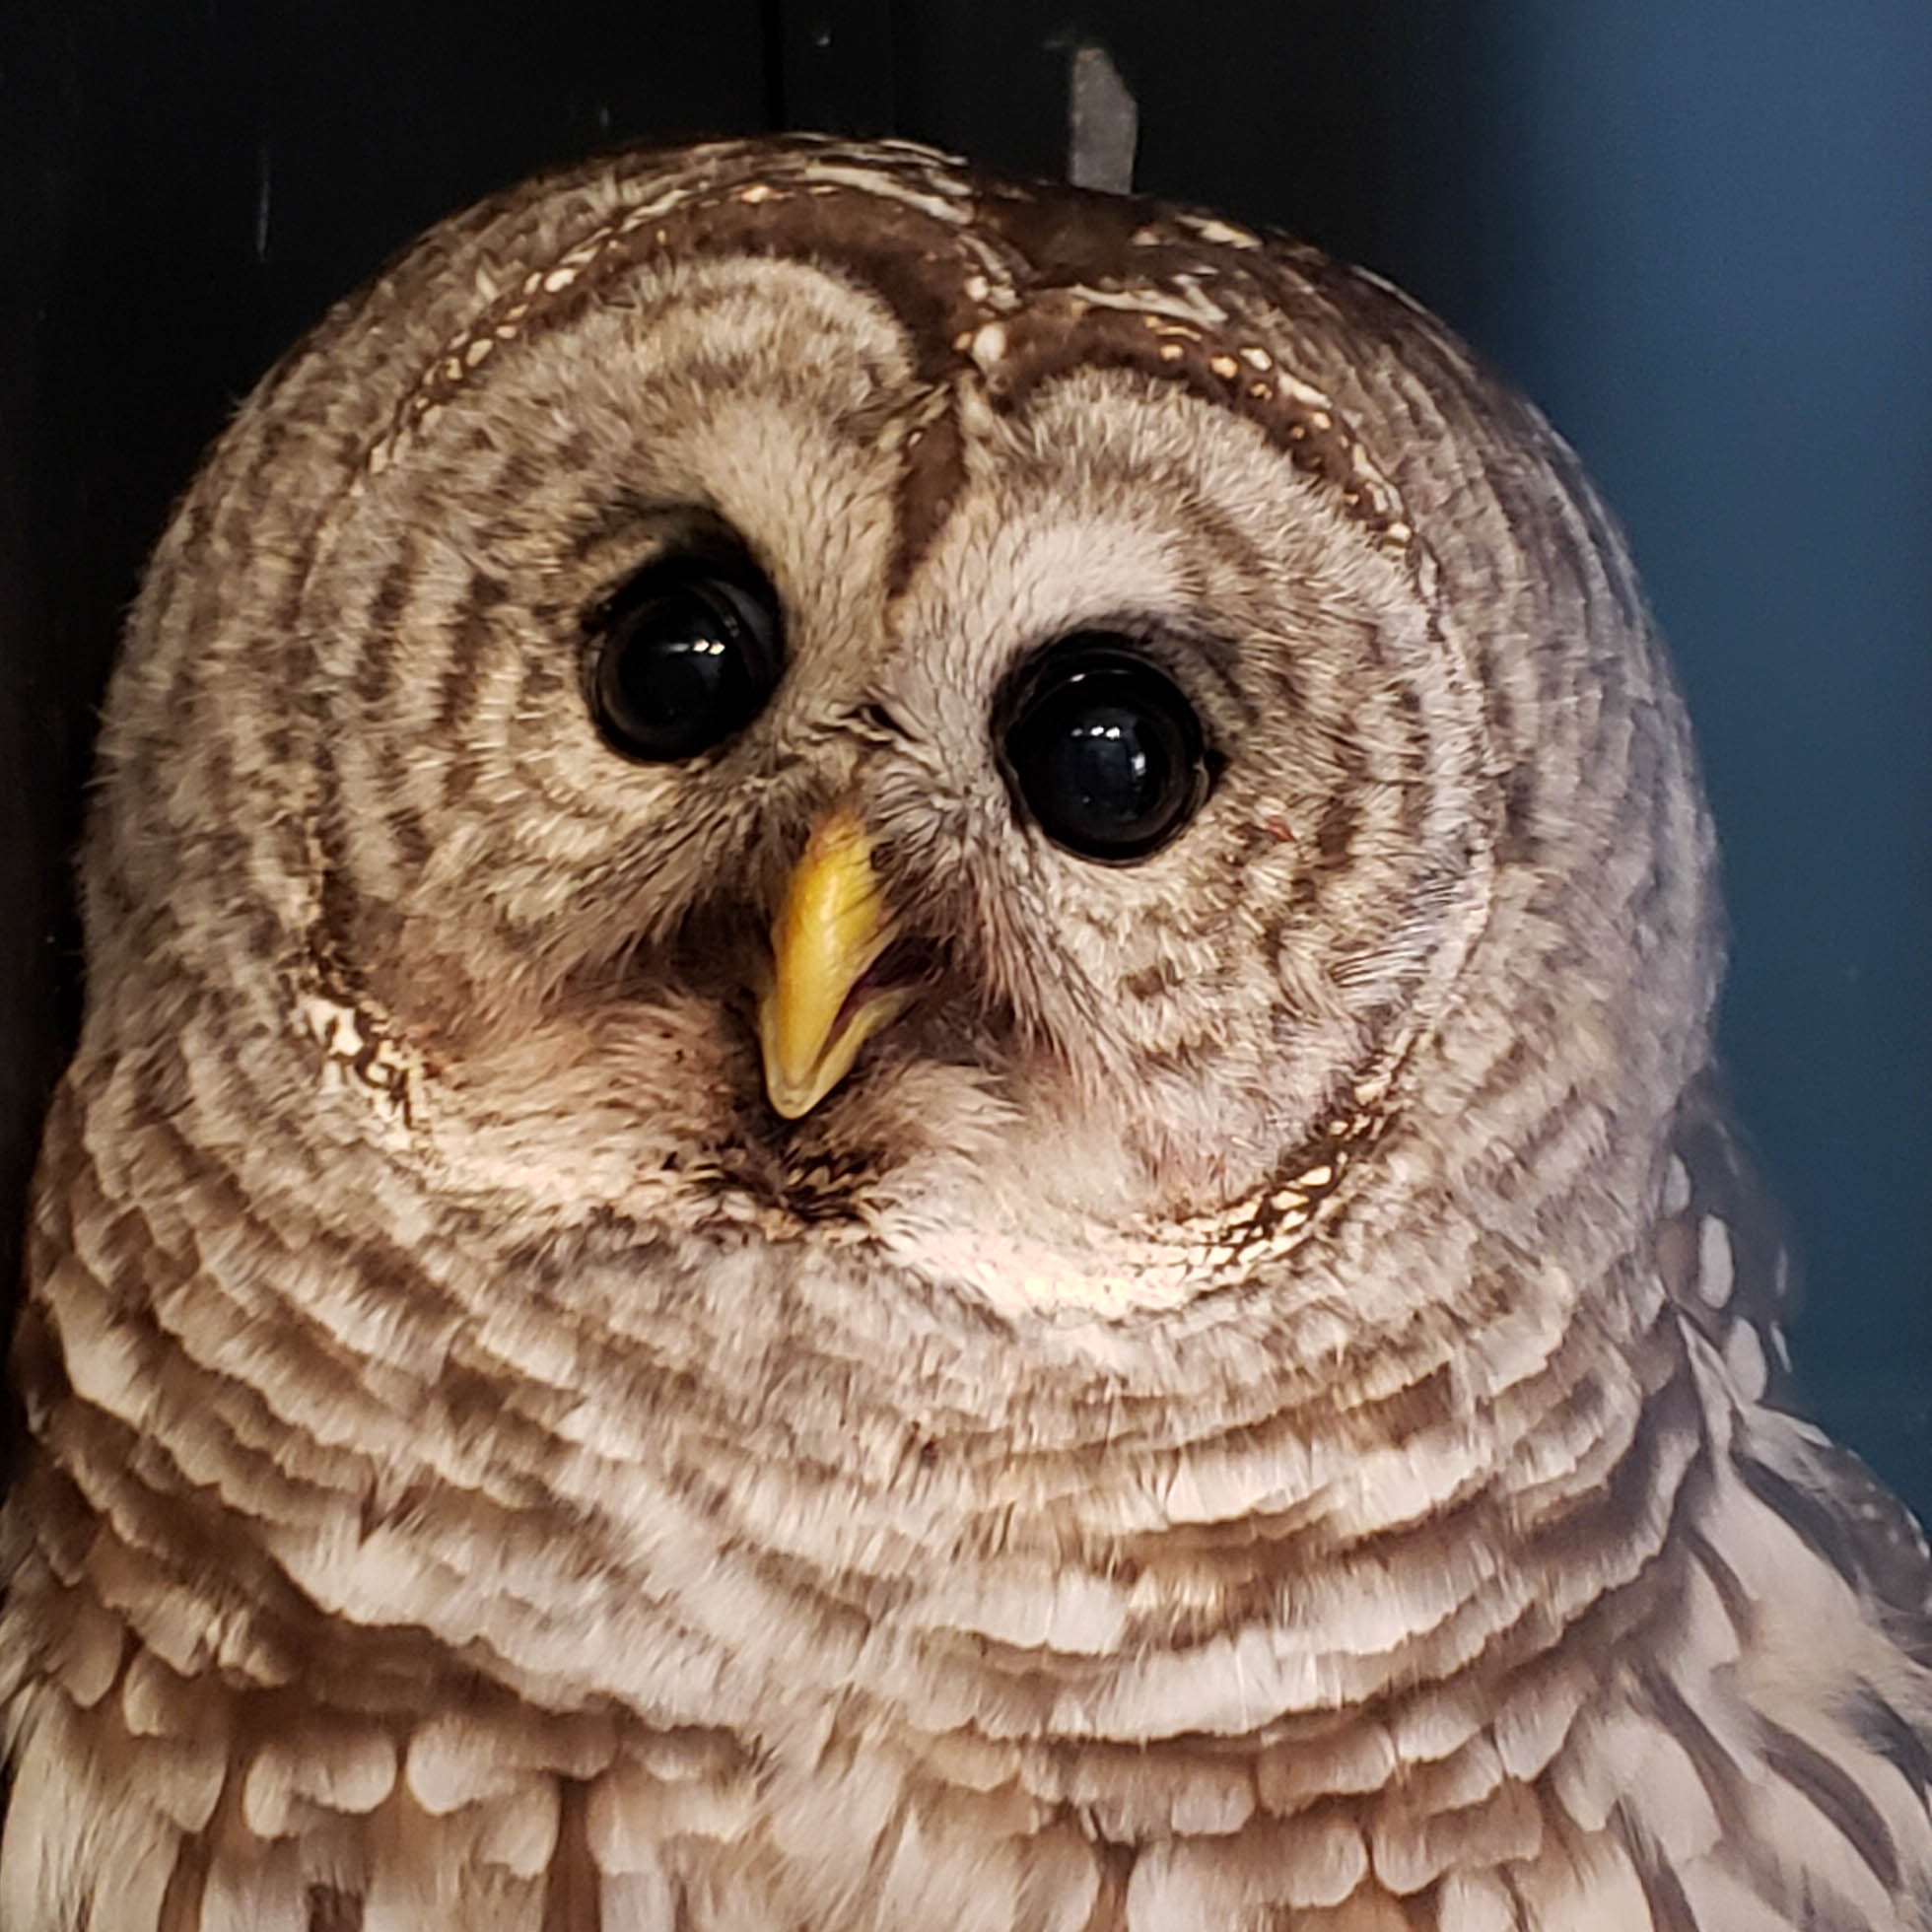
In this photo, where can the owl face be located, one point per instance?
(789, 687)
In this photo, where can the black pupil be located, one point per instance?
(689, 657)
(1106, 752)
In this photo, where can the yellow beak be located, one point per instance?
(832, 927)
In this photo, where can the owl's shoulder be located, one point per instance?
(1727, 1258)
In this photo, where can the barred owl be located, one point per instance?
(896, 1111)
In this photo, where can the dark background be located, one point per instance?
(1699, 233)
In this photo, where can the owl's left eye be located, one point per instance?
(688, 655)
(1103, 748)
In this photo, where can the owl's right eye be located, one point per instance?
(687, 654)
(1104, 748)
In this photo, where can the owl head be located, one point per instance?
(789, 694)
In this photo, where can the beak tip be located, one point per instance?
(790, 1104)
(794, 1082)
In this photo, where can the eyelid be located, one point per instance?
(1196, 656)
(628, 532)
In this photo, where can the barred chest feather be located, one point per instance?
(265, 1674)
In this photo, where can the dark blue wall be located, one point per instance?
(1726, 304)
